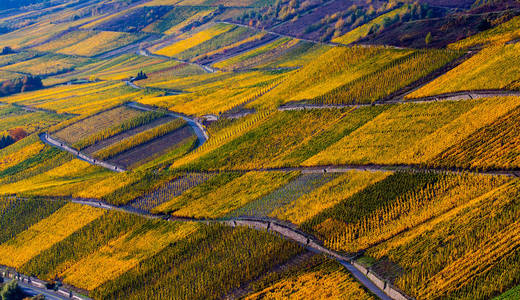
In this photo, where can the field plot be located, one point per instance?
(20, 214)
(306, 206)
(169, 190)
(9, 75)
(249, 40)
(55, 260)
(363, 30)
(414, 133)
(176, 16)
(285, 195)
(224, 193)
(196, 17)
(46, 233)
(177, 70)
(131, 20)
(313, 276)
(65, 41)
(281, 140)
(140, 138)
(100, 43)
(92, 125)
(18, 152)
(84, 99)
(38, 33)
(125, 252)
(483, 220)
(212, 261)
(492, 68)
(213, 93)
(47, 65)
(13, 117)
(124, 67)
(17, 57)
(124, 134)
(331, 70)
(389, 79)
(260, 56)
(181, 139)
(230, 36)
(493, 146)
(223, 136)
(296, 57)
(50, 172)
(188, 42)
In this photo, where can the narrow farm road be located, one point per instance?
(455, 96)
(47, 139)
(197, 127)
(366, 277)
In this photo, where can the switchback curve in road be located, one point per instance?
(197, 127)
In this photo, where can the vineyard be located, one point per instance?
(327, 196)
(484, 226)
(99, 43)
(251, 59)
(495, 62)
(329, 71)
(500, 34)
(47, 65)
(138, 139)
(138, 123)
(91, 126)
(169, 190)
(220, 41)
(188, 42)
(218, 201)
(298, 187)
(490, 147)
(46, 233)
(336, 130)
(211, 262)
(414, 133)
(20, 214)
(365, 29)
(389, 79)
(31, 122)
(314, 276)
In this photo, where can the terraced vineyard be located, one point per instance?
(225, 149)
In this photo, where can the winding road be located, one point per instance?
(197, 127)
(455, 96)
(366, 277)
(47, 139)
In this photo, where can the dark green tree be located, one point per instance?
(11, 291)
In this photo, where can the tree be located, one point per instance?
(141, 75)
(17, 133)
(428, 38)
(11, 291)
(7, 50)
(6, 141)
